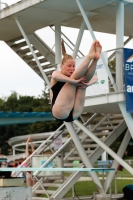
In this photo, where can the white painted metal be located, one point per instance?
(119, 66)
(105, 147)
(31, 49)
(53, 156)
(83, 155)
(115, 164)
(104, 156)
(62, 34)
(113, 54)
(107, 98)
(119, 43)
(57, 43)
(98, 151)
(86, 19)
(107, 103)
(39, 14)
(108, 141)
(13, 150)
(78, 41)
(35, 152)
(94, 38)
(42, 48)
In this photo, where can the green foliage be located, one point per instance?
(112, 65)
(18, 103)
(115, 146)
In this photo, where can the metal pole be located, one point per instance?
(120, 153)
(94, 38)
(33, 53)
(83, 155)
(68, 41)
(13, 149)
(119, 65)
(105, 147)
(57, 43)
(119, 43)
(115, 183)
(81, 31)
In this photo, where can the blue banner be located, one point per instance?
(128, 73)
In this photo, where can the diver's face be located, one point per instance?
(68, 67)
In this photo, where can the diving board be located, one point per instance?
(58, 169)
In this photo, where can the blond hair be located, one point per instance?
(65, 55)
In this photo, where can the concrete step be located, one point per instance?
(52, 184)
(42, 191)
(105, 128)
(71, 165)
(74, 158)
(54, 178)
(112, 122)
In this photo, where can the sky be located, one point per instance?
(16, 75)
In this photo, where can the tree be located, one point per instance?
(112, 67)
(17, 103)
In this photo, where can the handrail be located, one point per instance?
(57, 152)
(62, 147)
(34, 153)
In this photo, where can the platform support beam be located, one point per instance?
(78, 41)
(115, 164)
(57, 43)
(94, 38)
(119, 63)
(83, 155)
(119, 44)
(32, 51)
(105, 147)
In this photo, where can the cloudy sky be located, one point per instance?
(16, 75)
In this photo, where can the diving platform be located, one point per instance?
(38, 14)
(104, 117)
(9, 118)
(105, 103)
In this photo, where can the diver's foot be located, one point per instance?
(98, 50)
(92, 51)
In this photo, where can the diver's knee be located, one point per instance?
(76, 114)
(60, 113)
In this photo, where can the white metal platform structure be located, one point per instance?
(21, 20)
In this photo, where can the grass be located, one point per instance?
(123, 173)
(87, 188)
